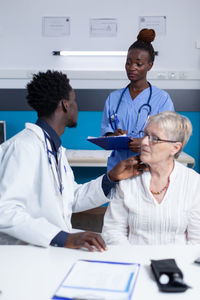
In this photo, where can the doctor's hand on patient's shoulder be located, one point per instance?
(135, 144)
(87, 239)
(127, 168)
(117, 132)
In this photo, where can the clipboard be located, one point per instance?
(111, 142)
(86, 280)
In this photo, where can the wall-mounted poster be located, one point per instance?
(56, 26)
(103, 27)
(158, 23)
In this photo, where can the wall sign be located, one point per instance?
(156, 23)
(103, 27)
(56, 26)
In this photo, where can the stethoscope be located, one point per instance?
(146, 106)
(49, 153)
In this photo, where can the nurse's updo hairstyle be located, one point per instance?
(144, 40)
(46, 90)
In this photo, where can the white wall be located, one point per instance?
(24, 50)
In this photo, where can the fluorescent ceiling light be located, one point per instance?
(90, 53)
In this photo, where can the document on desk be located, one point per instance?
(99, 280)
(111, 142)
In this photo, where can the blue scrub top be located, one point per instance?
(128, 115)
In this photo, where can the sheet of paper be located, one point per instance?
(117, 276)
(98, 280)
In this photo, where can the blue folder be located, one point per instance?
(111, 142)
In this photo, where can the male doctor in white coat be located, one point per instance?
(37, 189)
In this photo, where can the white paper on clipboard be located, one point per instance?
(99, 279)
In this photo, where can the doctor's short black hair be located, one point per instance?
(45, 91)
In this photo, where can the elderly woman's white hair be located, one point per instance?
(177, 127)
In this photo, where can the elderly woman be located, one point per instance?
(161, 206)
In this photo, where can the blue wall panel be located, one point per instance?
(89, 124)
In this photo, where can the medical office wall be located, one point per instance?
(26, 48)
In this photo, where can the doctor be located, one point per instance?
(37, 189)
(127, 110)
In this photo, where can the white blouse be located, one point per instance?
(134, 216)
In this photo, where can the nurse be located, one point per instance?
(37, 189)
(126, 110)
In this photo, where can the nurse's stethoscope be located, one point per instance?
(49, 153)
(145, 106)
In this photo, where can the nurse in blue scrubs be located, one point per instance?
(126, 110)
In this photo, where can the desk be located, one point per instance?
(98, 158)
(30, 273)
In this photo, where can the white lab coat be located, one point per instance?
(31, 207)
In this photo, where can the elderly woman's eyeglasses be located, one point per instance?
(154, 139)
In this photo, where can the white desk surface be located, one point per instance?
(30, 273)
(98, 158)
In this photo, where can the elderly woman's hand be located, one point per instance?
(127, 168)
(135, 145)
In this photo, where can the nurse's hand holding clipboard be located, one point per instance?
(117, 132)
